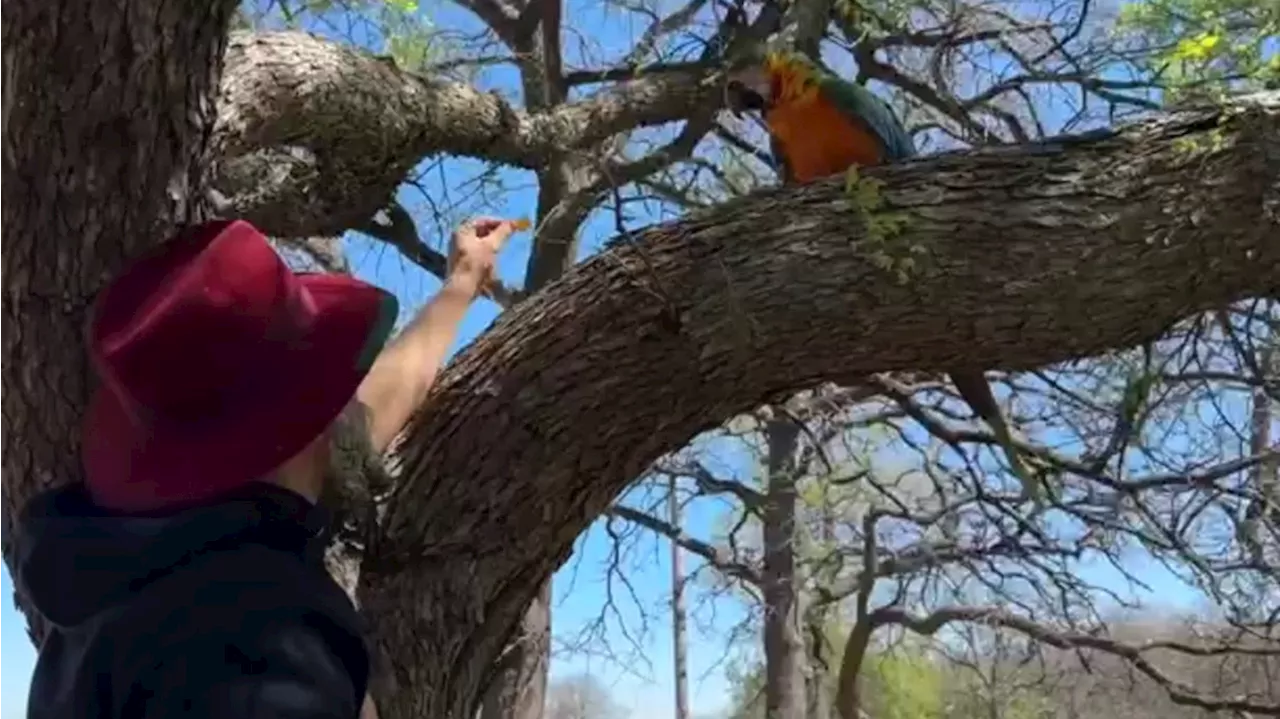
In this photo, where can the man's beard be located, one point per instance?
(355, 476)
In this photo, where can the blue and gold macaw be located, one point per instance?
(822, 125)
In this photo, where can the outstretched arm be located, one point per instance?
(403, 374)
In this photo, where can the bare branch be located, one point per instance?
(1178, 691)
(402, 233)
(365, 123)
(719, 558)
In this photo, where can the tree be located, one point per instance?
(109, 148)
(679, 618)
(903, 683)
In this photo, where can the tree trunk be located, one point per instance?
(817, 616)
(848, 689)
(108, 113)
(784, 654)
(1259, 528)
(818, 677)
(679, 646)
(1266, 475)
(461, 628)
(519, 687)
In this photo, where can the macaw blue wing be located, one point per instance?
(859, 102)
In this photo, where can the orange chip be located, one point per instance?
(522, 223)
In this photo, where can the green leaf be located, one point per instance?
(1204, 48)
(1199, 47)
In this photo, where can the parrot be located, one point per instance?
(821, 125)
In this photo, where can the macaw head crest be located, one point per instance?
(793, 77)
(781, 63)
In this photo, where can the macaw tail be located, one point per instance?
(975, 391)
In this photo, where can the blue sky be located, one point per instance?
(637, 628)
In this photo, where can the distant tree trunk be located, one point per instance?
(783, 645)
(1260, 525)
(818, 676)
(848, 690)
(679, 647)
(819, 679)
(1266, 474)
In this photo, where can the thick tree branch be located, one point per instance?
(709, 483)
(1028, 256)
(1024, 257)
(501, 17)
(361, 123)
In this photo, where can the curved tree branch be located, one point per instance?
(1024, 256)
(1027, 257)
(361, 123)
(714, 555)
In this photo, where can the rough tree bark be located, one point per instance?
(519, 686)
(108, 109)
(1260, 524)
(1027, 256)
(848, 689)
(353, 125)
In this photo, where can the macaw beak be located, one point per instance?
(748, 90)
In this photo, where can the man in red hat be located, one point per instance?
(184, 576)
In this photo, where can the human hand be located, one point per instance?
(474, 249)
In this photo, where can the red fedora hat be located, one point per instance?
(218, 363)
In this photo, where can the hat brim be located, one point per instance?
(134, 466)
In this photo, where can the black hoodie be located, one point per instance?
(216, 611)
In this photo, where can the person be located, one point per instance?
(183, 577)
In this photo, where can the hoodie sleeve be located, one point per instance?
(293, 668)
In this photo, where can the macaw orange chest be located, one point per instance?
(818, 140)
